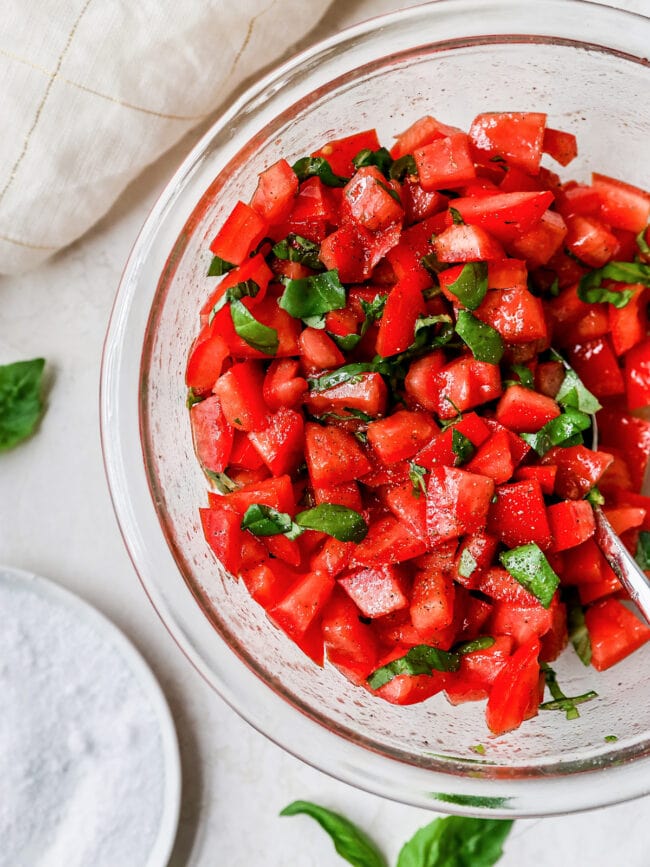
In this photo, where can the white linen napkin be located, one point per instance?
(92, 91)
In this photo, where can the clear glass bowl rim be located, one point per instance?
(457, 22)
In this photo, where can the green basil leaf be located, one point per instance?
(578, 632)
(642, 555)
(346, 373)
(416, 475)
(467, 564)
(565, 703)
(373, 311)
(349, 841)
(457, 219)
(456, 841)
(423, 335)
(342, 523)
(471, 284)
(317, 322)
(313, 296)
(595, 497)
(573, 393)
(295, 248)
(528, 565)
(265, 521)
(591, 291)
(524, 374)
(641, 242)
(421, 659)
(255, 333)
(317, 167)
(244, 289)
(482, 643)
(402, 167)
(21, 404)
(391, 192)
(432, 264)
(223, 483)
(560, 431)
(193, 397)
(380, 158)
(462, 447)
(611, 739)
(485, 343)
(554, 288)
(219, 267)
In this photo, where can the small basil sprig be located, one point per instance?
(21, 403)
(317, 167)
(485, 342)
(219, 267)
(567, 704)
(295, 248)
(342, 523)
(452, 841)
(462, 447)
(252, 331)
(591, 291)
(313, 296)
(642, 555)
(471, 284)
(528, 565)
(244, 289)
(425, 659)
(559, 431)
(380, 158)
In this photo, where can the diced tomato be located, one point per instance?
(212, 434)
(346, 251)
(457, 502)
(518, 516)
(244, 455)
(507, 274)
(432, 601)
(572, 523)
(445, 163)
(367, 394)
(333, 455)
(254, 269)
(377, 590)
(465, 384)
(370, 201)
(514, 690)
(475, 554)
(268, 582)
(499, 585)
(516, 314)
(562, 146)
(590, 240)
(628, 325)
(421, 380)
(397, 327)
(343, 494)
(318, 351)
(545, 476)
(516, 136)
(440, 451)
(409, 689)
(493, 458)
(478, 671)
(276, 492)
(578, 469)
(275, 193)
(240, 393)
(205, 362)
(630, 434)
(506, 216)
(538, 245)
(350, 645)
(425, 130)
(280, 444)
(614, 632)
(296, 610)
(556, 639)
(314, 203)
(596, 365)
(400, 435)
(241, 233)
(333, 557)
(340, 152)
(282, 384)
(624, 518)
(388, 541)
(525, 411)
(637, 375)
(622, 205)
(419, 204)
(224, 535)
(409, 505)
(463, 243)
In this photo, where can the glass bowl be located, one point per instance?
(453, 59)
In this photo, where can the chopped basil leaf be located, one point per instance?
(421, 335)
(554, 288)
(483, 643)
(528, 565)
(349, 841)
(21, 404)
(346, 373)
(223, 483)
(295, 248)
(567, 704)
(391, 192)
(479, 749)
(611, 739)
(578, 632)
(265, 521)
(458, 841)
(416, 475)
(421, 659)
(342, 523)
(313, 296)
(432, 264)
(402, 167)
(524, 374)
(380, 158)
(192, 398)
(255, 333)
(641, 242)
(219, 267)
(245, 289)
(573, 393)
(591, 291)
(471, 284)
(310, 167)
(317, 322)
(642, 555)
(485, 343)
(457, 219)
(373, 311)
(462, 447)
(595, 497)
(467, 564)
(560, 431)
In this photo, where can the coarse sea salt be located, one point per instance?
(82, 771)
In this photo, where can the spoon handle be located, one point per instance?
(631, 576)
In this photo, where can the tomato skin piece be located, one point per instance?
(240, 392)
(400, 435)
(571, 522)
(333, 455)
(614, 631)
(366, 200)
(637, 375)
(457, 503)
(445, 163)
(519, 515)
(224, 535)
(578, 469)
(622, 205)
(212, 434)
(280, 444)
(561, 146)
(404, 304)
(242, 232)
(340, 152)
(463, 243)
(515, 690)
(516, 136)
(376, 590)
(370, 395)
(275, 193)
(432, 601)
(525, 411)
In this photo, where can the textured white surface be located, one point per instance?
(56, 519)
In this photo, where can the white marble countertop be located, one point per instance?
(56, 519)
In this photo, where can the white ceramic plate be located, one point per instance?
(153, 704)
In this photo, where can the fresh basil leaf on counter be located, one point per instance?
(317, 167)
(591, 291)
(342, 523)
(313, 296)
(295, 248)
(349, 841)
(456, 841)
(219, 267)
(642, 555)
(21, 404)
(253, 332)
(573, 393)
(462, 447)
(560, 431)
(416, 475)
(471, 284)
(245, 289)
(528, 565)
(421, 659)
(402, 167)
(485, 342)
(380, 158)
